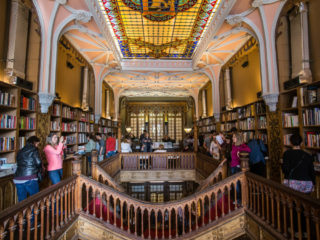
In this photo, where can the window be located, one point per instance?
(133, 124)
(156, 193)
(140, 123)
(175, 191)
(138, 191)
(175, 126)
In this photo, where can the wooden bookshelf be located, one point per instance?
(9, 102)
(300, 113)
(250, 119)
(206, 125)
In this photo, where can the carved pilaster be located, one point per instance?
(45, 100)
(271, 100)
(274, 143)
(85, 95)
(204, 103)
(217, 117)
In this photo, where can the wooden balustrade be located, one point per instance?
(205, 164)
(217, 175)
(157, 161)
(8, 196)
(43, 215)
(287, 213)
(167, 220)
(111, 165)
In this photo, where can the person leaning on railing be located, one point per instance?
(29, 166)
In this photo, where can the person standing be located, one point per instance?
(125, 146)
(298, 167)
(102, 146)
(54, 152)
(110, 145)
(90, 145)
(29, 166)
(215, 149)
(237, 147)
(146, 143)
(256, 157)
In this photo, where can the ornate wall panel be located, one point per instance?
(274, 143)
(43, 130)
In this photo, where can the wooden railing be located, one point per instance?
(42, 216)
(276, 208)
(111, 165)
(8, 194)
(157, 161)
(217, 175)
(162, 220)
(205, 164)
(289, 214)
(99, 175)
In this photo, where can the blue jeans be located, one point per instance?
(23, 189)
(55, 176)
(111, 153)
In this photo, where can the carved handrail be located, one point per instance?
(111, 165)
(44, 213)
(103, 177)
(218, 174)
(205, 164)
(286, 212)
(130, 214)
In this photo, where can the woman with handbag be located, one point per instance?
(298, 167)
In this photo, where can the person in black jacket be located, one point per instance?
(298, 167)
(28, 166)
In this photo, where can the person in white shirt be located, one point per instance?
(215, 149)
(125, 146)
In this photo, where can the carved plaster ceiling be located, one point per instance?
(155, 77)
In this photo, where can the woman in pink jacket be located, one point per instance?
(54, 153)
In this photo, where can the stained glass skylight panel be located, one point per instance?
(158, 28)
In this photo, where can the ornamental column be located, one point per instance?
(227, 89)
(204, 104)
(85, 104)
(108, 103)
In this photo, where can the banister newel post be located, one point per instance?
(244, 161)
(76, 170)
(94, 162)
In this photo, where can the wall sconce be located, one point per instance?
(128, 129)
(188, 130)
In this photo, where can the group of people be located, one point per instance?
(297, 164)
(30, 168)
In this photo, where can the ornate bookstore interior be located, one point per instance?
(159, 119)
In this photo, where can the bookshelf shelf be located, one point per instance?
(8, 151)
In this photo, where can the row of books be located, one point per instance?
(247, 136)
(71, 140)
(7, 143)
(262, 122)
(260, 108)
(206, 121)
(8, 121)
(7, 99)
(82, 138)
(55, 125)
(290, 120)
(205, 129)
(28, 103)
(67, 112)
(84, 117)
(229, 116)
(312, 139)
(247, 111)
(69, 127)
(27, 123)
(310, 95)
(83, 127)
(227, 126)
(286, 139)
(247, 124)
(56, 110)
(311, 117)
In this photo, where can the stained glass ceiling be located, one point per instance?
(166, 29)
